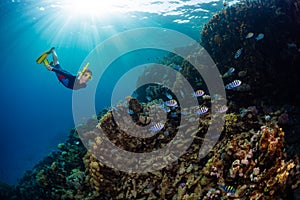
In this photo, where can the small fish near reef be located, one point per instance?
(168, 95)
(233, 84)
(130, 112)
(260, 36)
(228, 189)
(177, 67)
(171, 103)
(166, 109)
(229, 72)
(238, 53)
(156, 127)
(222, 109)
(249, 35)
(198, 93)
(202, 110)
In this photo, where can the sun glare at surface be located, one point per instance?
(93, 8)
(90, 21)
(100, 8)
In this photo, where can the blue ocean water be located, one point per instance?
(36, 111)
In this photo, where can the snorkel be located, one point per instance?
(83, 70)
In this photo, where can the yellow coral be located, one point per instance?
(95, 165)
(98, 140)
(230, 120)
(283, 171)
(282, 177)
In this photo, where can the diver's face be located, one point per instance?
(85, 77)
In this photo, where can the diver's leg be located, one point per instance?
(54, 57)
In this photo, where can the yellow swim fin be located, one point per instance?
(43, 56)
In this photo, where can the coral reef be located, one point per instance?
(246, 163)
(59, 176)
(252, 162)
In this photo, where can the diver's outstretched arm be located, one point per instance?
(54, 57)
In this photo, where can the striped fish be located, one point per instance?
(156, 127)
(238, 53)
(233, 84)
(198, 93)
(229, 72)
(202, 110)
(228, 189)
(222, 109)
(171, 103)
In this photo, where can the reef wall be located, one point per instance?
(267, 66)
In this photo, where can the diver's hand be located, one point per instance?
(49, 68)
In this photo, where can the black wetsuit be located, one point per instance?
(68, 80)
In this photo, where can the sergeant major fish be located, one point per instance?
(238, 53)
(156, 127)
(171, 103)
(229, 72)
(202, 110)
(233, 84)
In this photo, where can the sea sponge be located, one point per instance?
(271, 142)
